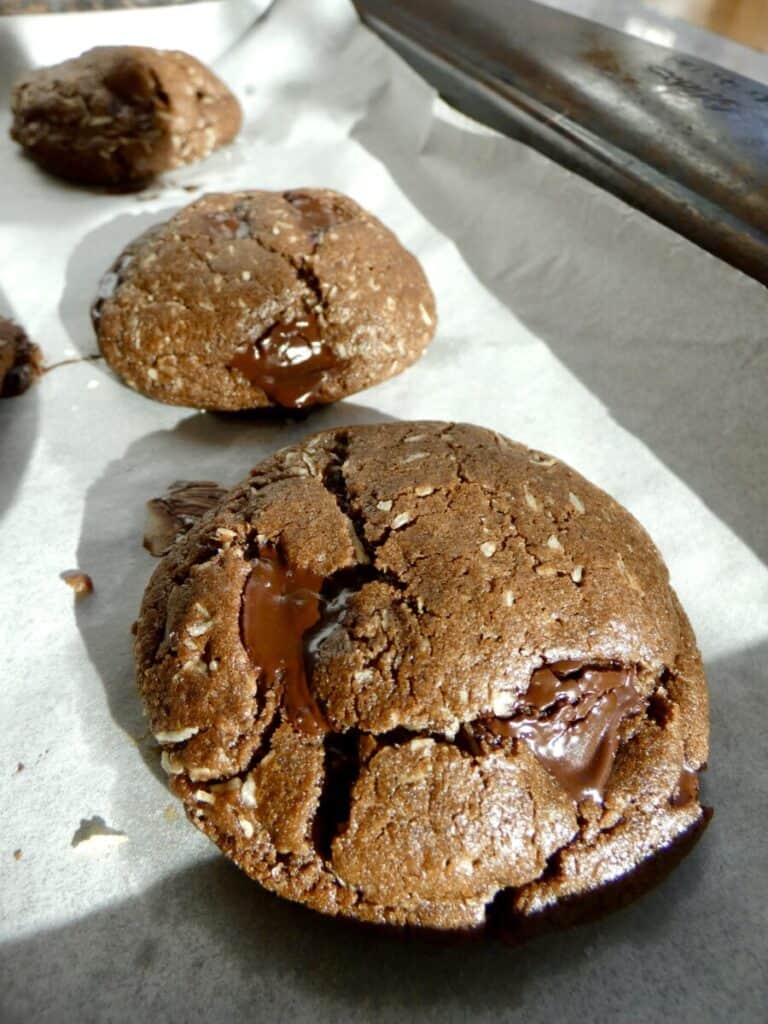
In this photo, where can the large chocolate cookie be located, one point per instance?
(418, 674)
(118, 115)
(252, 299)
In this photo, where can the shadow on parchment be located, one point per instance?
(19, 423)
(19, 420)
(90, 260)
(635, 312)
(207, 944)
(13, 61)
(204, 446)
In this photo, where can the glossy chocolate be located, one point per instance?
(280, 605)
(571, 722)
(289, 362)
(171, 516)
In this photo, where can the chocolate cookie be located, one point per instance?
(21, 361)
(118, 115)
(417, 674)
(255, 299)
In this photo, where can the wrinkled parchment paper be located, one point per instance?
(567, 321)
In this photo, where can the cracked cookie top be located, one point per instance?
(415, 673)
(119, 115)
(251, 299)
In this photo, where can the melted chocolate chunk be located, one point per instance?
(572, 722)
(317, 215)
(687, 789)
(173, 515)
(280, 605)
(21, 361)
(289, 362)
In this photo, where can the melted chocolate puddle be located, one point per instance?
(572, 715)
(289, 362)
(572, 722)
(286, 619)
(280, 605)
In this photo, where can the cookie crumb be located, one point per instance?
(78, 580)
(17, 854)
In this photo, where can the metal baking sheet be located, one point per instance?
(679, 138)
(567, 321)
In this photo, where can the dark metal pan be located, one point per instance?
(681, 139)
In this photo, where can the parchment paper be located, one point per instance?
(205, 28)
(567, 321)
